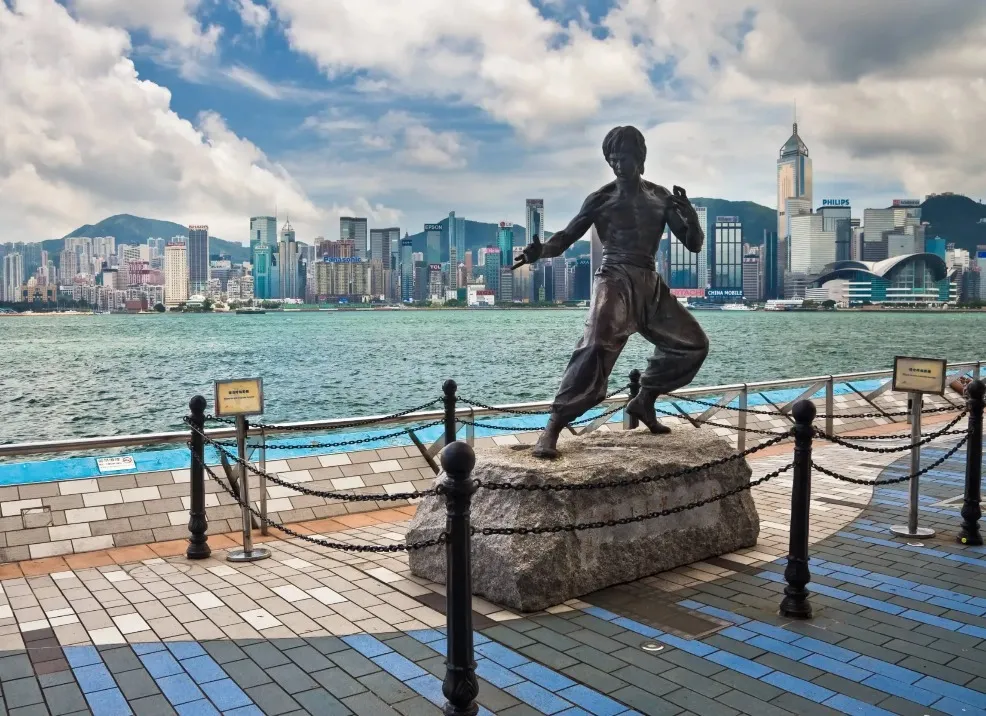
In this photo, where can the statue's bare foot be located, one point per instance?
(546, 446)
(642, 408)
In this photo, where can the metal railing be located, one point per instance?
(730, 392)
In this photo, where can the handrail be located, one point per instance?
(168, 438)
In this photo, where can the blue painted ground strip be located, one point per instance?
(177, 459)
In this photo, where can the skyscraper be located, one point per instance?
(433, 243)
(287, 263)
(838, 220)
(727, 264)
(793, 177)
(13, 277)
(407, 270)
(682, 265)
(491, 269)
(535, 219)
(175, 274)
(198, 259)
(380, 246)
(811, 246)
(702, 262)
(877, 223)
(505, 242)
(263, 232)
(456, 242)
(773, 271)
(354, 228)
(559, 277)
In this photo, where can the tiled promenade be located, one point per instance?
(899, 627)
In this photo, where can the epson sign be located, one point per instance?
(835, 202)
(433, 227)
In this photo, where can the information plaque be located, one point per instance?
(116, 464)
(919, 375)
(244, 396)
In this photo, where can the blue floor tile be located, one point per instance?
(543, 676)
(82, 655)
(497, 675)
(899, 688)
(775, 646)
(501, 655)
(426, 636)
(956, 708)
(197, 708)
(398, 666)
(953, 691)
(931, 620)
(839, 668)
(179, 689)
(185, 649)
(897, 673)
(109, 702)
(538, 698)
(203, 669)
(601, 613)
(430, 687)
(824, 648)
(847, 705)
(148, 647)
(739, 663)
(798, 686)
(771, 631)
(94, 677)
(737, 633)
(637, 627)
(366, 645)
(160, 664)
(226, 694)
(592, 701)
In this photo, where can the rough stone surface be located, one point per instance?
(533, 572)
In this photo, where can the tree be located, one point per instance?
(453, 303)
(159, 307)
(829, 304)
(207, 305)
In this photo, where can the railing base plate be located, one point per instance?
(904, 531)
(254, 555)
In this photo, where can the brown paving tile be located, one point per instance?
(170, 549)
(43, 566)
(360, 519)
(89, 559)
(407, 510)
(221, 542)
(10, 571)
(137, 553)
(50, 667)
(324, 525)
(393, 515)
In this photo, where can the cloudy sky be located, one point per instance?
(208, 111)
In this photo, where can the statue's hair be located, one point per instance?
(625, 139)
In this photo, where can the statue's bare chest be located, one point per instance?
(644, 212)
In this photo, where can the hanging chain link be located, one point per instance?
(399, 547)
(346, 426)
(775, 414)
(947, 430)
(567, 487)
(477, 404)
(579, 526)
(513, 429)
(342, 443)
(893, 480)
(325, 494)
(771, 433)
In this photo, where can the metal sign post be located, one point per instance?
(240, 398)
(917, 376)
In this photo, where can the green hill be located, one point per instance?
(957, 219)
(130, 229)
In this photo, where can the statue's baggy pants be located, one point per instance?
(630, 299)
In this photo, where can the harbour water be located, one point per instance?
(73, 376)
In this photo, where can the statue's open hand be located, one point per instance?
(530, 255)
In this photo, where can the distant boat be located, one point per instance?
(249, 310)
(704, 307)
(736, 307)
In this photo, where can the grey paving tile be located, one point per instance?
(596, 640)
(328, 644)
(246, 673)
(548, 656)
(272, 699)
(16, 666)
(223, 651)
(520, 710)
(691, 662)
(508, 637)
(915, 663)
(802, 707)
(645, 680)
(645, 702)
(733, 646)
(418, 706)
(291, 678)
(338, 682)
(902, 707)
(596, 679)
(744, 703)
(594, 657)
(386, 687)
(120, 660)
(266, 655)
(32, 710)
(851, 688)
(320, 702)
(22, 692)
(552, 638)
(692, 701)
(411, 648)
(562, 626)
(748, 685)
(55, 678)
(794, 668)
(136, 684)
(600, 626)
(152, 706)
(366, 704)
(64, 699)
(353, 663)
(308, 658)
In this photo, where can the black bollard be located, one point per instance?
(795, 604)
(460, 686)
(198, 541)
(632, 422)
(448, 388)
(971, 511)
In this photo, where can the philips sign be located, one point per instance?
(433, 227)
(835, 202)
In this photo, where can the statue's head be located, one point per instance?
(625, 151)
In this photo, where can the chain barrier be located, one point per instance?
(947, 430)
(484, 406)
(345, 546)
(778, 414)
(892, 480)
(343, 443)
(771, 433)
(578, 527)
(633, 481)
(325, 494)
(574, 423)
(346, 426)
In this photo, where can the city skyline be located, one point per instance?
(251, 105)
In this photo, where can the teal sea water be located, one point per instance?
(72, 376)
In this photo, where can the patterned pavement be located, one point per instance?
(899, 626)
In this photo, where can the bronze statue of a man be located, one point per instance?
(628, 295)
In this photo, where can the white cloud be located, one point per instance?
(83, 137)
(171, 21)
(253, 15)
